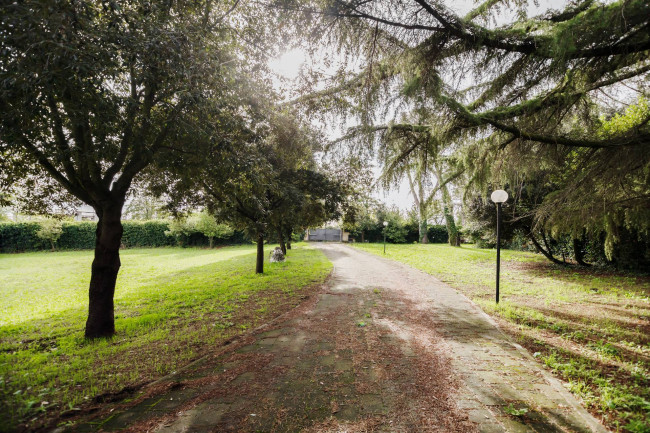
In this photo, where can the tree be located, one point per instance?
(400, 161)
(267, 182)
(395, 231)
(180, 229)
(50, 230)
(94, 92)
(527, 93)
(141, 206)
(210, 228)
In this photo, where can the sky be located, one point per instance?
(288, 65)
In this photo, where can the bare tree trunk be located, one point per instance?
(362, 237)
(546, 254)
(288, 234)
(418, 197)
(283, 246)
(578, 253)
(259, 265)
(106, 265)
(448, 211)
(424, 228)
(52, 244)
(211, 240)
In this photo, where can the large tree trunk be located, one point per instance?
(452, 230)
(283, 246)
(259, 265)
(578, 252)
(424, 237)
(106, 265)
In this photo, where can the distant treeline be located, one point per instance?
(19, 237)
(22, 236)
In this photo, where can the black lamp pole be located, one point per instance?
(499, 196)
(498, 246)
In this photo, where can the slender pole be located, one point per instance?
(384, 240)
(498, 246)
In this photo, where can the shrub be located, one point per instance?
(145, 234)
(50, 231)
(437, 234)
(78, 236)
(16, 237)
(208, 226)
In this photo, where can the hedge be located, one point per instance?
(437, 234)
(19, 237)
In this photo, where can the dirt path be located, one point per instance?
(382, 348)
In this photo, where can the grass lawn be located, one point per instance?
(172, 305)
(591, 327)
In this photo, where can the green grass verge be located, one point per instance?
(172, 305)
(590, 326)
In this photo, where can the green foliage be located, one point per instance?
(15, 237)
(181, 229)
(396, 230)
(635, 115)
(511, 410)
(50, 231)
(365, 224)
(437, 234)
(20, 237)
(540, 101)
(196, 229)
(139, 234)
(207, 224)
(78, 236)
(144, 207)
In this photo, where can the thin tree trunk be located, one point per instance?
(424, 228)
(362, 237)
(52, 244)
(448, 211)
(283, 246)
(288, 235)
(211, 239)
(452, 230)
(418, 198)
(546, 254)
(106, 265)
(259, 265)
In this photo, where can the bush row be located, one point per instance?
(18, 237)
(405, 233)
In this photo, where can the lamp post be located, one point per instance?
(385, 225)
(499, 196)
